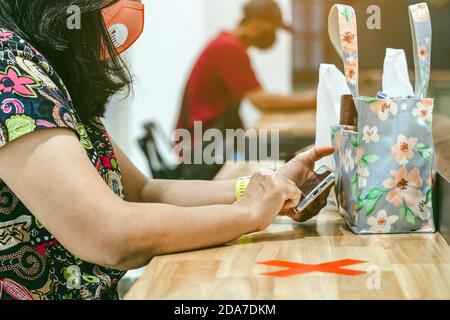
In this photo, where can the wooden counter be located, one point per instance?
(409, 266)
(295, 124)
(441, 133)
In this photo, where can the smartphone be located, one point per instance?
(324, 178)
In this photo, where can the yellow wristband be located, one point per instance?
(241, 186)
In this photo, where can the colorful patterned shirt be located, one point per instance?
(33, 263)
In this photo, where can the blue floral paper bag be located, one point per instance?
(385, 168)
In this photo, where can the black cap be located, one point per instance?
(267, 10)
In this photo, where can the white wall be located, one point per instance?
(175, 32)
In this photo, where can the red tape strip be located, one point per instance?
(293, 268)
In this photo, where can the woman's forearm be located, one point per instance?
(188, 193)
(139, 188)
(155, 229)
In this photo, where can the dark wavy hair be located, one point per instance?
(74, 54)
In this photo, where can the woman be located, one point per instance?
(72, 221)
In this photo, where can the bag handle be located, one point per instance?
(342, 29)
(419, 17)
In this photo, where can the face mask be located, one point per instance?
(125, 23)
(266, 39)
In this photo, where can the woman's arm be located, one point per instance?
(51, 174)
(139, 188)
(189, 193)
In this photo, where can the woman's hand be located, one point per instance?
(267, 194)
(301, 169)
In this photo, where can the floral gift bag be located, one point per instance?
(385, 165)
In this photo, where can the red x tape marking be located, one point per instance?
(294, 268)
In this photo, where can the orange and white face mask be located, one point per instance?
(125, 23)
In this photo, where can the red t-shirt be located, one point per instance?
(222, 76)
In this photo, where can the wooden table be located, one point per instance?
(293, 123)
(410, 266)
(441, 132)
(297, 129)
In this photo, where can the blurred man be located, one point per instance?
(223, 76)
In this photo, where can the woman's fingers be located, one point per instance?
(290, 192)
(293, 198)
(317, 153)
(267, 194)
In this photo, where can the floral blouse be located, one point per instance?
(33, 263)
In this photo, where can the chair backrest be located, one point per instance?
(160, 168)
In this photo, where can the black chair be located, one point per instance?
(160, 168)
(153, 139)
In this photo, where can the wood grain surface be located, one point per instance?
(295, 124)
(409, 266)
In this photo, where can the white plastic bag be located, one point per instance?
(332, 86)
(395, 74)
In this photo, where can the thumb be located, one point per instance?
(317, 153)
